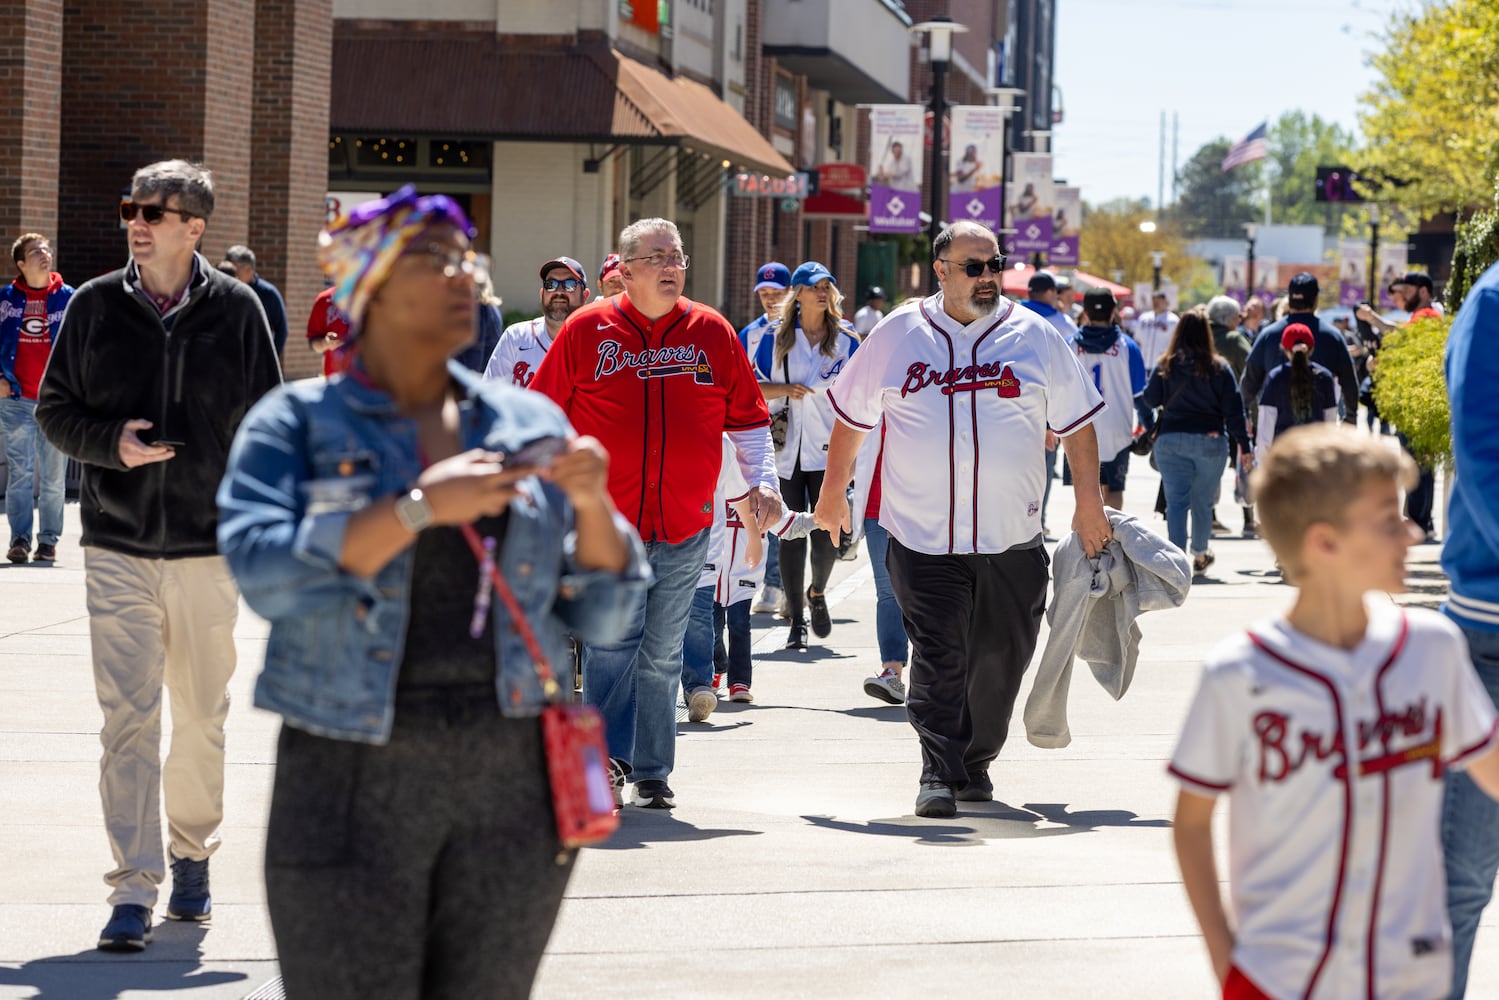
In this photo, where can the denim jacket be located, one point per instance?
(311, 454)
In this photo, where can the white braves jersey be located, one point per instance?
(1118, 373)
(519, 351)
(1335, 872)
(728, 540)
(966, 411)
(811, 423)
(866, 319)
(731, 489)
(1153, 333)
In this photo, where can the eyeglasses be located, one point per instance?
(450, 262)
(974, 268)
(568, 285)
(675, 259)
(39, 250)
(153, 214)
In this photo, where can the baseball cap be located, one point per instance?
(568, 263)
(1042, 281)
(1099, 304)
(810, 273)
(1064, 283)
(875, 292)
(773, 275)
(1303, 289)
(1297, 334)
(1419, 279)
(609, 268)
(1128, 312)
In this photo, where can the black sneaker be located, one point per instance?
(1201, 563)
(190, 899)
(822, 622)
(798, 637)
(20, 550)
(654, 795)
(979, 789)
(45, 553)
(935, 800)
(129, 929)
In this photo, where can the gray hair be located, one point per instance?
(240, 254)
(632, 235)
(1223, 310)
(190, 182)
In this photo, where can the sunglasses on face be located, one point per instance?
(974, 268)
(153, 214)
(568, 285)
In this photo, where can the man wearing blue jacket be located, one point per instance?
(1470, 820)
(31, 309)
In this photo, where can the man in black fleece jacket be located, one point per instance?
(152, 371)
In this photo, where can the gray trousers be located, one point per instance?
(426, 868)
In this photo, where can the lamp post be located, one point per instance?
(1374, 254)
(1005, 95)
(1250, 232)
(939, 32)
(1157, 258)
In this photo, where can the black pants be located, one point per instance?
(800, 493)
(973, 622)
(426, 868)
(1420, 500)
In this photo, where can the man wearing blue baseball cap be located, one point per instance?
(772, 281)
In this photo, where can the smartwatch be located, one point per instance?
(414, 512)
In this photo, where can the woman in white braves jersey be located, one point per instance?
(796, 368)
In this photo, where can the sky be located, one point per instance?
(1221, 66)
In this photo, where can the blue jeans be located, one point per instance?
(697, 647)
(1191, 468)
(889, 630)
(772, 560)
(1470, 831)
(633, 682)
(28, 454)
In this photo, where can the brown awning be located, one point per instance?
(465, 84)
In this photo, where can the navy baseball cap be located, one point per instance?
(1042, 281)
(566, 262)
(1303, 289)
(773, 275)
(1416, 279)
(876, 292)
(810, 273)
(1099, 304)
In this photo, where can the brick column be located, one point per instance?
(31, 74)
(190, 97)
(288, 179)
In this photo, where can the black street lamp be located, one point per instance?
(939, 32)
(1374, 254)
(1250, 232)
(1157, 258)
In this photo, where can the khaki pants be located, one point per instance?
(155, 621)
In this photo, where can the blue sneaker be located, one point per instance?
(129, 929)
(190, 899)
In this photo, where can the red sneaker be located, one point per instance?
(740, 693)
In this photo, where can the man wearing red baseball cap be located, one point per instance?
(610, 280)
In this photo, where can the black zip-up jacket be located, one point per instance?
(1191, 404)
(194, 376)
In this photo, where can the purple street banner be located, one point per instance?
(1392, 264)
(1066, 225)
(1235, 271)
(1267, 280)
(1353, 272)
(1031, 206)
(975, 174)
(895, 162)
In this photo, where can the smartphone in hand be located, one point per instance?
(540, 453)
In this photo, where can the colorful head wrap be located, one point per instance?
(359, 249)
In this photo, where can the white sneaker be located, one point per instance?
(886, 687)
(767, 600)
(700, 704)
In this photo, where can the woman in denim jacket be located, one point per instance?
(411, 849)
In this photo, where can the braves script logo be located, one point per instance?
(1283, 751)
(522, 374)
(661, 362)
(974, 378)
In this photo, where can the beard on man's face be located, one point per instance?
(984, 301)
(557, 309)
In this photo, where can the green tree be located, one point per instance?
(1432, 119)
(1212, 204)
(1111, 241)
(1298, 144)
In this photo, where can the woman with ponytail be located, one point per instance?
(1298, 392)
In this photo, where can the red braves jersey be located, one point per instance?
(1333, 760)
(659, 395)
(324, 319)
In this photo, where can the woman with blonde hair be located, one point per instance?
(796, 367)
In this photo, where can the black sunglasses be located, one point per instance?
(568, 285)
(974, 268)
(153, 214)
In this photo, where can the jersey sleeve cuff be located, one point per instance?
(1080, 421)
(1196, 784)
(1465, 756)
(857, 425)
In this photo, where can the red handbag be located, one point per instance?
(572, 735)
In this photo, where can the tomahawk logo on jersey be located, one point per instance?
(519, 351)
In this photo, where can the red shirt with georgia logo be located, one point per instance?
(659, 395)
(34, 345)
(327, 318)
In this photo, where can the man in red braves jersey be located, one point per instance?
(972, 370)
(658, 379)
(327, 330)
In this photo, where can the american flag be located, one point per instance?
(1251, 147)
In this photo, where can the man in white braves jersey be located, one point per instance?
(1153, 331)
(521, 347)
(1112, 359)
(1330, 730)
(968, 369)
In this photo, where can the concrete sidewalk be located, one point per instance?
(793, 865)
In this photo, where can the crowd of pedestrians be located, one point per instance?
(454, 502)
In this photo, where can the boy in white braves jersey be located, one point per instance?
(1330, 730)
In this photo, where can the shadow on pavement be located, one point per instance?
(167, 964)
(977, 822)
(641, 827)
(880, 713)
